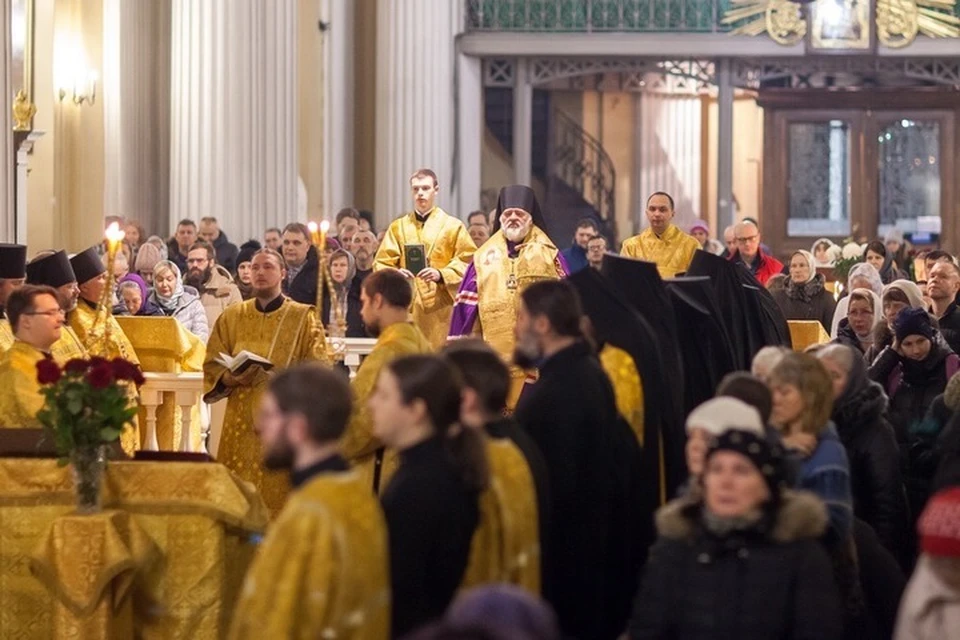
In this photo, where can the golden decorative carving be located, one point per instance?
(898, 22)
(23, 112)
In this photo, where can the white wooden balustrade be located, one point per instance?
(186, 389)
(356, 350)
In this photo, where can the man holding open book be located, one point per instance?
(248, 340)
(431, 249)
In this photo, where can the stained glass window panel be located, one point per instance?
(819, 170)
(909, 170)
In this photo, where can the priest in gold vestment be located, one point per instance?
(518, 254)
(272, 327)
(385, 296)
(506, 543)
(13, 260)
(662, 242)
(36, 317)
(91, 278)
(52, 268)
(446, 249)
(322, 570)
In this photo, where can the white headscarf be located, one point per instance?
(909, 289)
(830, 254)
(866, 271)
(811, 262)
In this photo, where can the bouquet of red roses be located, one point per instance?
(87, 402)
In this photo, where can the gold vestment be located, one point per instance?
(672, 252)
(285, 336)
(447, 248)
(322, 570)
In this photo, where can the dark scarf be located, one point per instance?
(919, 373)
(806, 291)
(858, 411)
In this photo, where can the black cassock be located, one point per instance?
(571, 414)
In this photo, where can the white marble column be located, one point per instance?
(667, 153)
(136, 95)
(8, 227)
(416, 109)
(233, 151)
(338, 152)
(725, 95)
(470, 125)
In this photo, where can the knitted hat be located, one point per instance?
(87, 265)
(939, 524)
(147, 257)
(913, 322)
(247, 249)
(701, 225)
(723, 414)
(894, 235)
(767, 458)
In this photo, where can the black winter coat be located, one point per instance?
(810, 301)
(950, 327)
(304, 286)
(572, 416)
(846, 335)
(751, 584)
(920, 384)
(877, 485)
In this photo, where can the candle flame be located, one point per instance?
(114, 233)
(325, 226)
(312, 226)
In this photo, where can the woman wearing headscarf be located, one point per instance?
(825, 252)
(877, 255)
(805, 297)
(896, 297)
(862, 275)
(720, 564)
(859, 412)
(863, 312)
(243, 278)
(134, 298)
(178, 301)
(914, 370)
(343, 269)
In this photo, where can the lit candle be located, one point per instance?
(114, 235)
(324, 227)
(314, 233)
(837, 288)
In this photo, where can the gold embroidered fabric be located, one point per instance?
(506, 544)
(6, 335)
(672, 252)
(286, 336)
(199, 517)
(449, 249)
(68, 347)
(322, 570)
(89, 564)
(807, 333)
(20, 398)
(359, 445)
(627, 386)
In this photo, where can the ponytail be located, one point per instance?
(469, 453)
(438, 384)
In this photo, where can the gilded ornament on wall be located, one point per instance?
(844, 25)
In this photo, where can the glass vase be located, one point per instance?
(88, 465)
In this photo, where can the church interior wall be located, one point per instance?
(747, 160)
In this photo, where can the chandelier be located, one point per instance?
(898, 22)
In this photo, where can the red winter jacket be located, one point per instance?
(766, 266)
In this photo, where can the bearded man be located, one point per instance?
(213, 282)
(518, 254)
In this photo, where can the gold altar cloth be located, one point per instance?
(200, 517)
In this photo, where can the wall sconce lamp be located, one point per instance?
(75, 79)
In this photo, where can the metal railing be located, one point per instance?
(669, 16)
(581, 162)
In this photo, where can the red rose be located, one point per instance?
(126, 370)
(100, 376)
(96, 361)
(48, 372)
(76, 365)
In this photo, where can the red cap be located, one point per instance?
(939, 525)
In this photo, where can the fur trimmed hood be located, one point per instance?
(951, 395)
(801, 516)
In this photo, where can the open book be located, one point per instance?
(242, 361)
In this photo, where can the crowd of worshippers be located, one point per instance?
(535, 448)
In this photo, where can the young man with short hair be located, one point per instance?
(226, 251)
(330, 537)
(212, 281)
(662, 242)
(179, 245)
(576, 253)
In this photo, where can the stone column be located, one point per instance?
(522, 122)
(233, 151)
(8, 227)
(416, 107)
(725, 212)
(136, 95)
